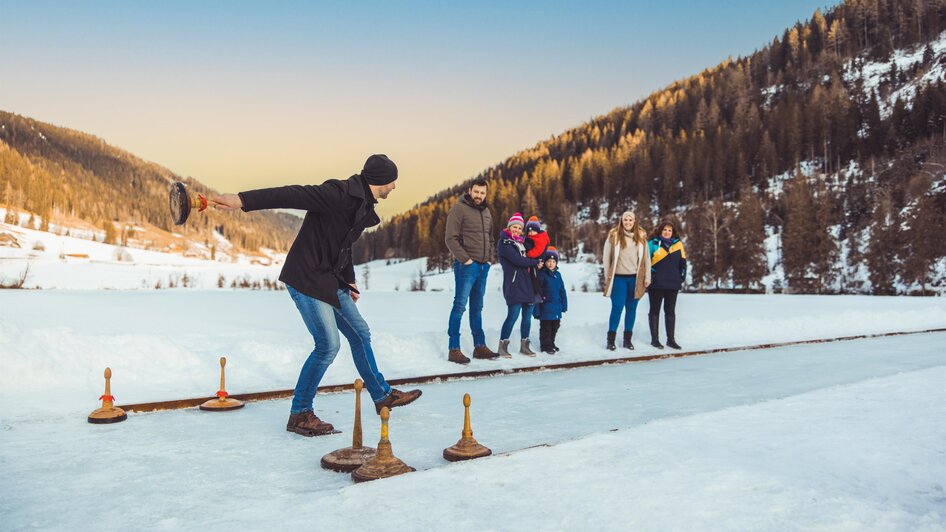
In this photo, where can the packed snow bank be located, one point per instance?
(165, 344)
(790, 438)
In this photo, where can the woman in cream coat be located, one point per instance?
(627, 274)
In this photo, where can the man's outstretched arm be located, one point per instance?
(324, 197)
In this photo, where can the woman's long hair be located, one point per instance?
(616, 234)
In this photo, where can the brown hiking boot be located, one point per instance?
(481, 351)
(457, 356)
(308, 424)
(397, 398)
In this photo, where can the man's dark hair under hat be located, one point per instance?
(379, 170)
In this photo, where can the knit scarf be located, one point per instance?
(520, 239)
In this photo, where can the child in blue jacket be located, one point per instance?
(554, 302)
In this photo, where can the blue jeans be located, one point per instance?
(622, 298)
(470, 281)
(324, 322)
(525, 328)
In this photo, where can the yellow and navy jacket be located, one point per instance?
(668, 268)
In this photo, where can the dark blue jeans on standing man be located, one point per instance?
(470, 281)
(324, 322)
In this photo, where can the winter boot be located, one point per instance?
(504, 349)
(457, 356)
(627, 340)
(483, 352)
(397, 398)
(654, 322)
(611, 336)
(671, 325)
(524, 348)
(308, 424)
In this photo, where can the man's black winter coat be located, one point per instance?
(337, 212)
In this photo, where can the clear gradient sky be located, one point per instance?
(246, 95)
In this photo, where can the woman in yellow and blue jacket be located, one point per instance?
(668, 262)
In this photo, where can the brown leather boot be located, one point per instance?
(457, 356)
(308, 424)
(481, 351)
(397, 398)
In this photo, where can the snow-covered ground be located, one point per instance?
(164, 344)
(790, 438)
(48, 260)
(841, 436)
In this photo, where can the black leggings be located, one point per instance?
(669, 299)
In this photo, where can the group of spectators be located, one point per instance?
(533, 286)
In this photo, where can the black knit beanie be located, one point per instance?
(379, 170)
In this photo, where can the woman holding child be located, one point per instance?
(627, 274)
(518, 288)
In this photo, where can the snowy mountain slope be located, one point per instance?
(871, 75)
(48, 260)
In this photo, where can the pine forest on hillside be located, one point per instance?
(59, 173)
(818, 159)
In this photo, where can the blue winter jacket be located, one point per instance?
(517, 283)
(556, 298)
(668, 267)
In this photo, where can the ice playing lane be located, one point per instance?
(181, 469)
(164, 345)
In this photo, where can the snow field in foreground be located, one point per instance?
(164, 345)
(841, 436)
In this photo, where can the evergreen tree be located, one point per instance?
(798, 233)
(823, 242)
(882, 249)
(837, 36)
(922, 241)
(748, 241)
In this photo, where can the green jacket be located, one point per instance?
(469, 233)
